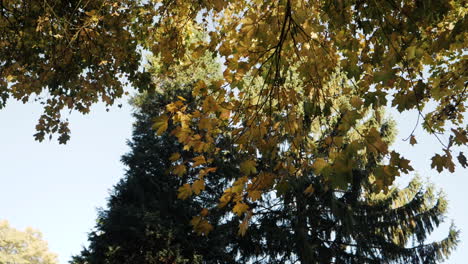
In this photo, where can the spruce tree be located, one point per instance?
(311, 220)
(145, 222)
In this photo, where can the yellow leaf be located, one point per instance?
(198, 87)
(200, 225)
(243, 228)
(309, 190)
(254, 195)
(204, 212)
(248, 167)
(10, 78)
(225, 114)
(181, 98)
(225, 199)
(179, 170)
(160, 124)
(198, 186)
(205, 123)
(238, 185)
(411, 52)
(174, 156)
(356, 102)
(205, 171)
(185, 191)
(199, 160)
(375, 142)
(240, 208)
(174, 107)
(244, 224)
(319, 165)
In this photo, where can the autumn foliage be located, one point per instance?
(293, 72)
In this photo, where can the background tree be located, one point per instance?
(342, 209)
(314, 217)
(145, 221)
(306, 221)
(23, 247)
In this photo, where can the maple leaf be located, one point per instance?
(443, 162)
(461, 137)
(240, 208)
(384, 177)
(375, 142)
(400, 163)
(438, 162)
(198, 186)
(184, 192)
(248, 167)
(174, 157)
(204, 212)
(160, 124)
(309, 190)
(205, 171)
(356, 102)
(254, 195)
(199, 160)
(462, 159)
(319, 164)
(243, 226)
(200, 225)
(179, 170)
(205, 123)
(225, 198)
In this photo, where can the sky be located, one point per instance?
(57, 188)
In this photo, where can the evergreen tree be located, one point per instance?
(314, 217)
(145, 221)
(310, 220)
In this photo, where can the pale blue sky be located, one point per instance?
(57, 188)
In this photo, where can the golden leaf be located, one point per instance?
(200, 225)
(248, 167)
(174, 157)
(185, 191)
(254, 195)
(199, 160)
(240, 208)
(309, 190)
(319, 164)
(179, 170)
(198, 186)
(160, 124)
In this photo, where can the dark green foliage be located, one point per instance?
(144, 221)
(342, 227)
(354, 225)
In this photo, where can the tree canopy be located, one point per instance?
(80, 52)
(312, 219)
(279, 90)
(23, 247)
